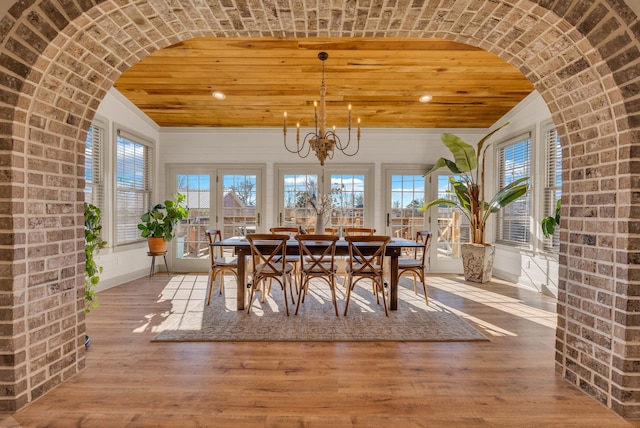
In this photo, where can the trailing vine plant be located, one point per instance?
(92, 244)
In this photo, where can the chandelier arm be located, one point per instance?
(306, 142)
(343, 148)
(286, 146)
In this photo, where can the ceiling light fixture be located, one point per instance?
(218, 95)
(425, 98)
(321, 141)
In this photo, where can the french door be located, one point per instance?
(350, 187)
(405, 196)
(450, 227)
(407, 189)
(229, 199)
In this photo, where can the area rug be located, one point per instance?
(414, 321)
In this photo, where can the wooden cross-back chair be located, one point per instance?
(219, 263)
(366, 261)
(327, 230)
(291, 231)
(268, 253)
(317, 264)
(359, 231)
(416, 265)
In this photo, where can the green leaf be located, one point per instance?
(464, 154)
(442, 162)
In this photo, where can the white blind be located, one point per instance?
(553, 184)
(133, 185)
(93, 166)
(514, 162)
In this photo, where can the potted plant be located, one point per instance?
(550, 223)
(158, 224)
(468, 185)
(92, 244)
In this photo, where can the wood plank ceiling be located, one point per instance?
(382, 78)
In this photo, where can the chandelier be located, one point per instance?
(322, 142)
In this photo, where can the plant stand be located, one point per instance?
(153, 256)
(477, 262)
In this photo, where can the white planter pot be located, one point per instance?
(477, 261)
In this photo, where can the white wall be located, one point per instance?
(125, 263)
(533, 267)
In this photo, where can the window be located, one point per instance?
(349, 201)
(406, 198)
(553, 177)
(514, 162)
(239, 203)
(93, 165)
(133, 185)
(297, 187)
(191, 232)
(350, 187)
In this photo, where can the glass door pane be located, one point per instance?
(407, 198)
(451, 226)
(295, 211)
(349, 201)
(191, 240)
(239, 194)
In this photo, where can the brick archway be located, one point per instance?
(58, 61)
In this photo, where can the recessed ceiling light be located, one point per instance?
(425, 98)
(218, 95)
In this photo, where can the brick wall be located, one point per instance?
(58, 57)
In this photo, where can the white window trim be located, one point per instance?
(120, 130)
(516, 138)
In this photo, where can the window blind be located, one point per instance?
(553, 184)
(93, 166)
(133, 185)
(514, 162)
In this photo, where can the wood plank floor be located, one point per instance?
(509, 381)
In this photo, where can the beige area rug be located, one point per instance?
(193, 321)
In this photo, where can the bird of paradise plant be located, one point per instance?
(468, 184)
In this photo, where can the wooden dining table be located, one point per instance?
(242, 249)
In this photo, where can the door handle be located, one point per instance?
(258, 220)
(280, 219)
(388, 219)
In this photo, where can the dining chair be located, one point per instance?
(327, 230)
(268, 253)
(219, 263)
(293, 259)
(415, 265)
(366, 261)
(356, 231)
(359, 231)
(317, 264)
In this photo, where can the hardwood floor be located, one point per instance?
(509, 381)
